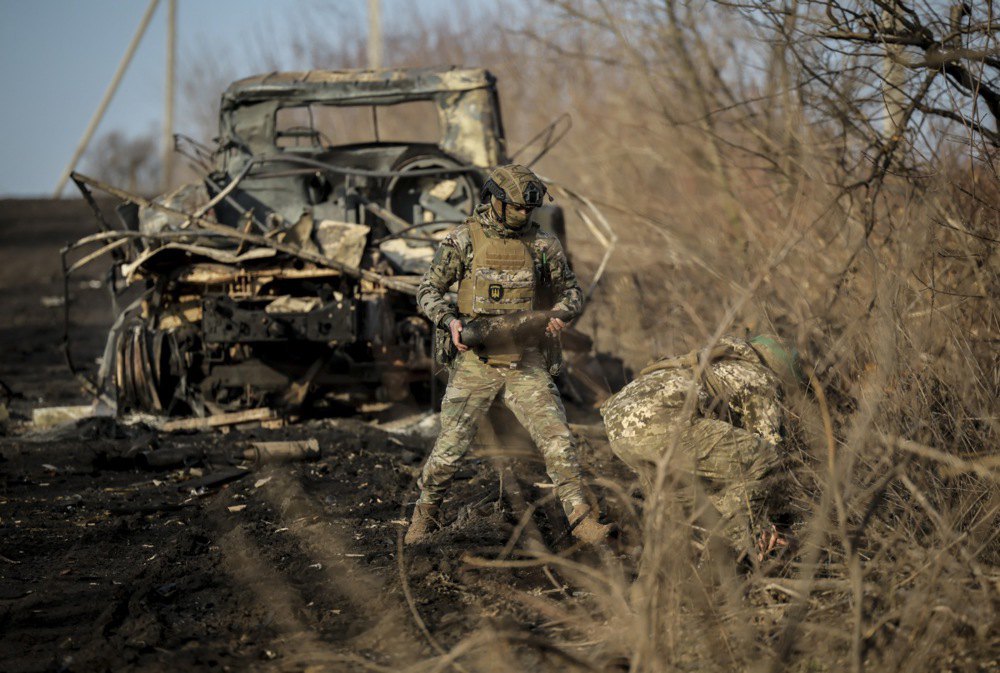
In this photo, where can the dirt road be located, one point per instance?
(106, 564)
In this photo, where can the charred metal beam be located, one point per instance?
(262, 241)
(364, 172)
(88, 196)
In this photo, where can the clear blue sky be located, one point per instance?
(57, 58)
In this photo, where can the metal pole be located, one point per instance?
(893, 81)
(168, 113)
(108, 95)
(374, 35)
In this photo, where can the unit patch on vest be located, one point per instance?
(496, 291)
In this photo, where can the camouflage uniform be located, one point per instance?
(527, 387)
(729, 440)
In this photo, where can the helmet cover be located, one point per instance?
(515, 185)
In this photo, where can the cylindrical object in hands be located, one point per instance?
(522, 328)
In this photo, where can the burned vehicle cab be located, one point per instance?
(367, 169)
(415, 142)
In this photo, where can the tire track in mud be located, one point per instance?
(371, 623)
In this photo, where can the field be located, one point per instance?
(110, 564)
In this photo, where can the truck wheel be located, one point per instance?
(142, 372)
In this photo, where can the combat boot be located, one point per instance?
(423, 523)
(585, 525)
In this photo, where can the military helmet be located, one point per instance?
(780, 357)
(514, 185)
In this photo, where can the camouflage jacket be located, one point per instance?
(737, 389)
(453, 262)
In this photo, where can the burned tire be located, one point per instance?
(142, 369)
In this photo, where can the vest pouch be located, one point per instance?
(497, 291)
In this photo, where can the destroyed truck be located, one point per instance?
(287, 274)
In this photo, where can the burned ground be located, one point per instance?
(203, 565)
(109, 567)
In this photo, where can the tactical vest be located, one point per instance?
(502, 280)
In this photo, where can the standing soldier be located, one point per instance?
(723, 428)
(502, 264)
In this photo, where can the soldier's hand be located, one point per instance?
(555, 326)
(455, 327)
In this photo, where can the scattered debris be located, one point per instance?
(236, 508)
(167, 591)
(219, 420)
(215, 479)
(425, 425)
(49, 417)
(169, 457)
(283, 452)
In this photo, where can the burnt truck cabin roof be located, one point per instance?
(466, 99)
(355, 87)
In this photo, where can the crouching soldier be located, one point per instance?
(502, 264)
(723, 430)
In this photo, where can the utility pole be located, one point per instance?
(893, 81)
(168, 112)
(108, 95)
(374, 35)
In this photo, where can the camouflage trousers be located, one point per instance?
(713, 460)
(529, 392)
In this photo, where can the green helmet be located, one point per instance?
(780, 357)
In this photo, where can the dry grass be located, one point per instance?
(738, 221)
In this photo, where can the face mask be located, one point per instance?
(516, 219)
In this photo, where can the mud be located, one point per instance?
(107, 565)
